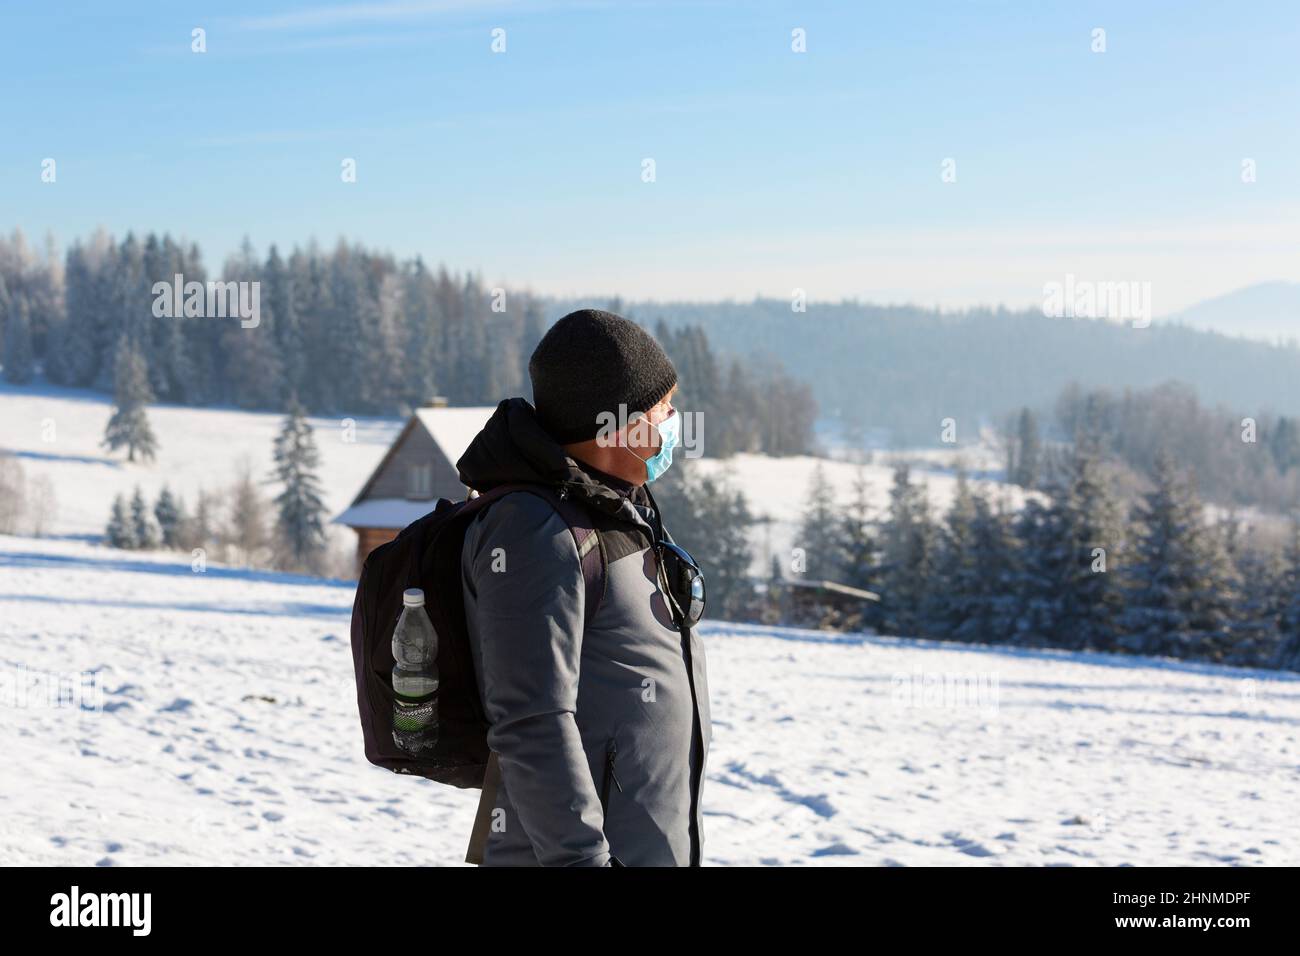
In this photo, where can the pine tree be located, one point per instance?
(1040, 535)
(74, 353)
(908, 552)
(1177, 603)
(167, 513)
(721, 507)
(120, 532)
(143, 529)
(19, 356)
(129, 425)
(1256, 610)
(1284, 446)
(533, 330)
(1028, 459)
(1089, 521)
(956, 571)
(859, 547)
(733, 426)
(299, 523)
(1288, 651)
(992, 609)
(819, 531)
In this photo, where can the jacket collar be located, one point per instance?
(513, 447)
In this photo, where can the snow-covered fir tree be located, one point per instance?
(143, 528)
(128, 427)
(819, 531)
(1088, 518)
(1177, 574)
(1257, 603)
(1028, 450)
(167, 511)
(956, 566)
(120, 532)
(1288, 651)
(990, 603)
(858, 538)
(1034, 585)
(907, 555)
(300, 512)
(19, 356)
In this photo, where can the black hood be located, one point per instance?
(513, 447)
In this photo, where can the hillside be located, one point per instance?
(776, 488)
(1266, 311)
(228, 736)
(903, 369)
(198, 448)
(205, 447)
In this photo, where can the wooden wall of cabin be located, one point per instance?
(370, 538)
(416, 448)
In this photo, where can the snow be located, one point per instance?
(227, 735)
(57, 432)
(384, 513)
(454, 428)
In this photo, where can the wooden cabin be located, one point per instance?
(418, 469)
(831, 605)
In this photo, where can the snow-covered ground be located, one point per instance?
(227, 734)
(57, 433)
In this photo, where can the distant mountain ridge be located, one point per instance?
(1267, 311)
(906, 368)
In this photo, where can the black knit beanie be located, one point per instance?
(591, 362)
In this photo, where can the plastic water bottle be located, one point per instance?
(415, 677)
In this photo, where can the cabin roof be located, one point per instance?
(834, 587)
(384, 513)
(454, 428)
(434, 435)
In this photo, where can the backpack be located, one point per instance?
(427, 555)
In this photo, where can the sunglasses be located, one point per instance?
(685, 583)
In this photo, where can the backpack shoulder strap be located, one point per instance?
(591, 549)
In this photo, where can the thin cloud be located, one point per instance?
(316, 18)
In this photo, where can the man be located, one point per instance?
(600, 731)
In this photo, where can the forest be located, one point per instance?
(348, 331)
(1114, 550)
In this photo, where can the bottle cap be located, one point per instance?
(413, 597)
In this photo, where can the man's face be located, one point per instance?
(642, 435)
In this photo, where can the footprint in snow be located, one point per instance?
(835, 849)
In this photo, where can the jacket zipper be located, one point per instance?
(697, 732)
(697, 735)
(611, 754)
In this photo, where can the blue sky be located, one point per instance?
(774, 170)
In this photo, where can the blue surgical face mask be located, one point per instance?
(670, 433)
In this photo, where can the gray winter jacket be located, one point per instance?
(601, 732)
